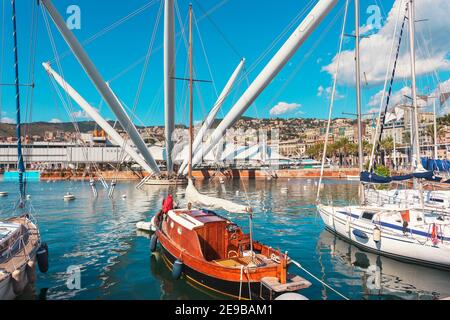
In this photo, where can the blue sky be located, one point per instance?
(300, 90)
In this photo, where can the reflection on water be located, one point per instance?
(99, 237)
(382, 277)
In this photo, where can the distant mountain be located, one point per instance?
(39, 128)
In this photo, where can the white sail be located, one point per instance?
(265, 77)
(201, 200)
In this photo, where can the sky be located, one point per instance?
(225, 31)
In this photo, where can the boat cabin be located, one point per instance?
(212, 237)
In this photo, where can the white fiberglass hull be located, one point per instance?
(382, 275)
(416, 245)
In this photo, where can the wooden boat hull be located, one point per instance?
(224, 288)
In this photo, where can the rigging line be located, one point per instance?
(333, 94)
(147, 58)
(222, 34)
(380, 119)
(69, 101)
(304, 59)
(177, 35)
(280, 36)
(2, 58)
(383, 115)
(141, 81)
(32, 64)
(197, 89)
(107, 29)
(206, 56)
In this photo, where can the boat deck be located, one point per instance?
(238, 262)
(21, 256)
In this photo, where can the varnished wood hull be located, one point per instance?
(217, 286)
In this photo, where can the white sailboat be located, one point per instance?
(410, 234)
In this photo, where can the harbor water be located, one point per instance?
(97, 253)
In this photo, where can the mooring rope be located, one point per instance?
(317, 279)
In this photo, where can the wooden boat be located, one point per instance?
(19, 243)
(213, 253)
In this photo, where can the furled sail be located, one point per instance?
(198, 199)
(369, 177)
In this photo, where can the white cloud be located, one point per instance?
(55, 120)
(432, 37)
(8, 120)
(283, 108)
(321, 91)
(82, 114)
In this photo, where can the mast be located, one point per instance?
(270, 71)
(358, 98)
(191, 97)
(212, 114)
(20, 164)
(435, 130)
(416, 162)
(169, 81)
(101, 85)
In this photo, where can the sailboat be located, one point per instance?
(212, 252)
(410, 234)
(20, 241)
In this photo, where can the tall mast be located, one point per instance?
(358, 96)
(20, 165)
(191, 97)
(416, 163)
(435, 139)
(169, 81)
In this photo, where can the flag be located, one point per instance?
(444, 97)
(422, 97)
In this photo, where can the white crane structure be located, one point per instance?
(265, 77)
(101, 85)
(115, 136)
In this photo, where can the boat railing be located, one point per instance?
(17, 245)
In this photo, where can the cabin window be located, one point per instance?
(437, 200)
(171, 224)
(179, 230)
(368, 215)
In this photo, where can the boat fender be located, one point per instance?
(177, 269)
(31, 271)
(42, 257)
(434, 234)
(291, 296)
(376, 234)
(153, 243)
(17, 281)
